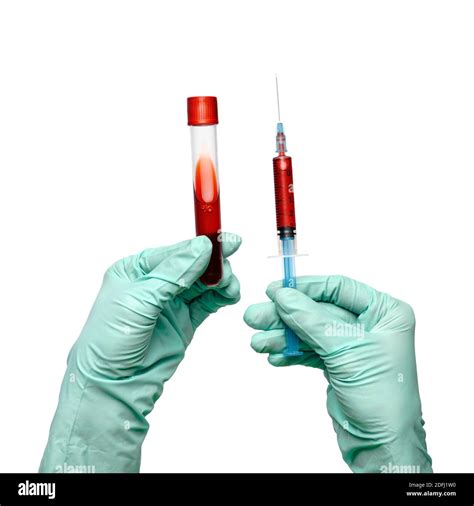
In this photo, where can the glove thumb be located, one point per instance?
(178, 271)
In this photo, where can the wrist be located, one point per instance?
(405, 453)
(95, 428)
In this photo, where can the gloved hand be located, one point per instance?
(363, 340)
(136, 335)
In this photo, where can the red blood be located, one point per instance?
(284, 196)
(207, 212)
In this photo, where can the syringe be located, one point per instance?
(285, 219)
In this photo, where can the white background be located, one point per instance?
(377, 100)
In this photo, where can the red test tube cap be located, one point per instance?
(202, 111)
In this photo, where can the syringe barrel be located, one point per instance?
(202, 119)
(288, 251)
(284, 196)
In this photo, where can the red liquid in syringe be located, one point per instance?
(284, 196)
(208, 215)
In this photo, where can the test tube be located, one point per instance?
(203, 120)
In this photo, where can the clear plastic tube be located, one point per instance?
(206, 189)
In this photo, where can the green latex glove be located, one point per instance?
(142, 321)
(364, 342)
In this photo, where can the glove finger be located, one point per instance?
(312, 322)
(136, 266)
(169, 278)
(230, 243)
(227, 286)
(309, 359)
(150, 258)
(199, 288)
(212, 300)
(273, 341)
(339, 312)
(264, 315)
(339, 290)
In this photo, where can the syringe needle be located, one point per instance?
(278, 97)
